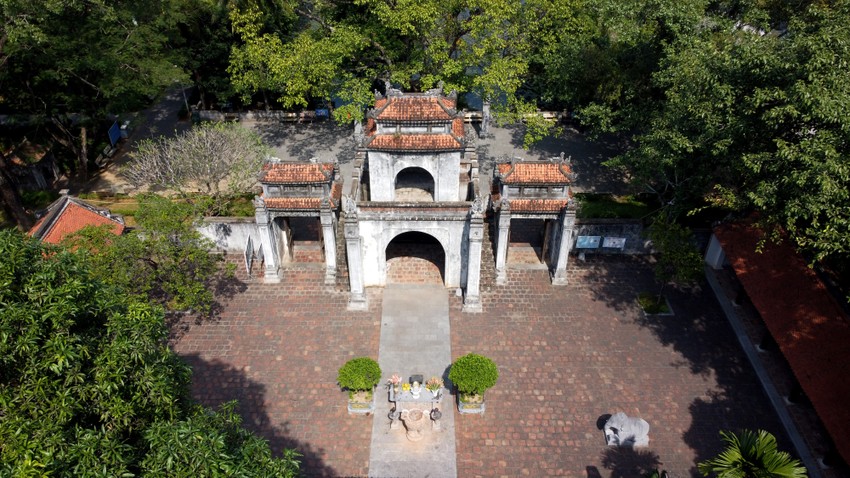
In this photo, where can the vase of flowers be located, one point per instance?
(395, 383)
(434, 385)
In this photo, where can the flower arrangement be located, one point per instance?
(434, 383)
(405, 387)
(394, 380)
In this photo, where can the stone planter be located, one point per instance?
(668, 313)
(361, 403)
(470, 404)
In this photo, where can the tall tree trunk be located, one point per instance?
(12, 203)
(84, 156)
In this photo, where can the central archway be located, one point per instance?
(415, 258)
(414, 184)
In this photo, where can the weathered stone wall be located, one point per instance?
(630, 229)
(443, 167)
(230, 233)
(377, 233)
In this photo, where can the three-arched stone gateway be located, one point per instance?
(414, 182)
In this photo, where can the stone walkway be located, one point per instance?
(415, 338)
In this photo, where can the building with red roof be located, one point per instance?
(805, 320)
(68, 215)
(536, 192)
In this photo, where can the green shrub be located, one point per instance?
(473, 374)
(359, 374)
(608, 206)
(38, 199)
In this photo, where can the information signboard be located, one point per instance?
(588, 242)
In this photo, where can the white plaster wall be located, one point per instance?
(230, 234)
(443, 167)
(377, 234)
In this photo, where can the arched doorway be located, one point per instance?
(415, 258)
(414, 184)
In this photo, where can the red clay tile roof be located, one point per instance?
(535, 173)
(336, 192)
(414, 142)
(537, 205)
(69, 215)
(296, 173)
(812, 330)
(457, 127)
(306, 203)
(414, 108)
(294, 203)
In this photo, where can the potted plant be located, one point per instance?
(360, 376)
(473, 374)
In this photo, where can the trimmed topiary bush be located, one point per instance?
(473, 374)
(359, 374)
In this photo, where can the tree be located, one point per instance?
(752, 455)
(220, 159)
(88, 386)
(678, 260)
(69, 64)
(340, 50)
(755, 120)
(165, 260)
(10, 197)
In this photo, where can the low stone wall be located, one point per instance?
(230, 233)
(629, 229)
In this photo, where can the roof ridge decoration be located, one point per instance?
(565, 166)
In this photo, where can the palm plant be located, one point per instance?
(752, 455)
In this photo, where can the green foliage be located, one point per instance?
(359, 374)
(38, 199)
(473, 374)
(607, 206)
(89, 387)
(212, 443)
(750, 455)
(678, 260)
(653, 303)
(756, 123)
(165, 260)
(82, 368)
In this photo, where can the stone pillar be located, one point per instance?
(565, 241)
(503, 237)
(265, 227)
(472, 298)
(326, 217)
(354, 251)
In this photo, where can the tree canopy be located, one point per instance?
(738, 104)
(165, 260)
(219, 159)
(89, 387)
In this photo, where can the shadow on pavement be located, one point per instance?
(629, 462)
(218, 382)
(702, 337)
(323, 141)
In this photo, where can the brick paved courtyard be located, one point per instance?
(567, 356)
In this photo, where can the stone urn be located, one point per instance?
(414, 421)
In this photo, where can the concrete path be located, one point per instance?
(415, 338)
